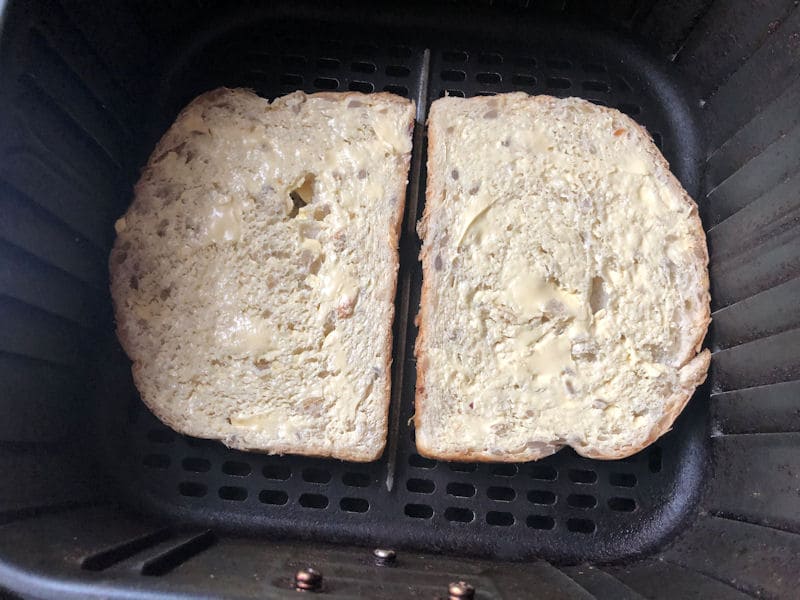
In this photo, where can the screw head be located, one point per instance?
(308, 580)
(461, 591)
(384, 556)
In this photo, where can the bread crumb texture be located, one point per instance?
(565, 294)
(253, 275)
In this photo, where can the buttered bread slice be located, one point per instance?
(253, 275)
(565, 293)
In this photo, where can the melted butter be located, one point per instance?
(475, 427)
(142, 311)
(253, 186)
(476, 222)
(534, 354)
(254, 138)
(341, 388)
(256, 135)
(533, 140)
(542, 355)
(342, 123)
(527, 337)
(392, 134)
(272, 421)
(312, 245)
(352, 157)
(256, 341)
(552, 355)
(652, 370)
(634, 164)
(633, 240)
(535, 350)
(342, 168)
(222, 223)
(603, 324)
(673, 202)
(337, 287)
(339, 359)
(678, 251)
(248, 336)
(334, 347)
(648, 195)
(530, 294)
(374, 191)
(337, 283)
(193, 121)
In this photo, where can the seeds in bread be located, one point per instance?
(253, 276)
(565, 285)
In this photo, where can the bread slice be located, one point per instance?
(565, 294)
(254, 274)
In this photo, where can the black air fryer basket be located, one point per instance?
(98, 499)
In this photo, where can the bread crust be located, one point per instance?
(394, 227)
(694, 364)
(394, 239)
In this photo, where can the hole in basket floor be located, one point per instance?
(524, 80)
(363, 67)
(504, 470)
(544, 472)
(459, 514)
(277, 472)
(461, 490)
(499, 519)
(420, 486)
(355, 505)
(420, 462)
(364, 87)
(582, 476)
(581, 501)
(502, 494)
(463, 467)
(454, 56)
(315, 475)
(540, 522)
(313, 501)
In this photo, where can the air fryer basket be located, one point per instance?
(99, 498)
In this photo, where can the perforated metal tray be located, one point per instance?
(565, 507)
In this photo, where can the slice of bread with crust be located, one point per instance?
(253, 276)
(565, 292)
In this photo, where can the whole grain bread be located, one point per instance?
(565, 284)
(253, 276)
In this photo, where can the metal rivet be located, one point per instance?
(308, 580)
(384, 557)
(461, 591)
